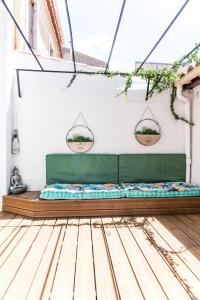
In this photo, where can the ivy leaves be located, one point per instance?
(161, 79)
(176, 116)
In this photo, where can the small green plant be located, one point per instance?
(79, 138)
(149, 131)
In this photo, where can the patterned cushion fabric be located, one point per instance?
(108, 190)
(61, 191)
(82, 191)
(156, 190)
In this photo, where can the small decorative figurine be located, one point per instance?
(16, 184)
(15, 147)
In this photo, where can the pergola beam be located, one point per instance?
(162, 36)
(115, 35)
(55, 72)
(160, 77)
(71, 35)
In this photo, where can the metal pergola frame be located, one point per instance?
(148, 92)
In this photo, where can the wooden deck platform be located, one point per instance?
(151, 258)
(28, 204)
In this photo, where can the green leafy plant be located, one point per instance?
(160, 79)
(79, 138)
(147, 131)
(176, 116)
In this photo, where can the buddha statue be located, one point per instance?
(16, 184)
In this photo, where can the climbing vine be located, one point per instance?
(176, 116)
(160, 79)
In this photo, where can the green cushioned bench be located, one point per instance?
(109, 169)
(87, 176)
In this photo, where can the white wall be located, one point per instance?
(47, 110)
(6, 77)
(196, 137)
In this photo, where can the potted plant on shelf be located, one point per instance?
(147, 136)
(79, 143)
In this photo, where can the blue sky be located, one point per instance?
(94, 22)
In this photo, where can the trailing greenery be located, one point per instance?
(160, 79)
(176, 116)
(79, 138)
(149, 131)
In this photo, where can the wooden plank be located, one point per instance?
(6, 231)
(27, 270)
(126, 280)
(100, 207)
(119, 212)
(191, 223)
(46, 293)
(22, 195)
(64, 279)
(14, 261)
(84, 285)
(193, 74)
(10, 243)
(105, 280)
(15, 221)
(180, 235)
(190, 260)
(33, 195)
(185, 276)
(147, 280)
(123, 203)
(99, 213)
(196, 218)
(27, 213)
(193, 235)
(159, 266)
(8, 239)
(5, 219)
(39, 280)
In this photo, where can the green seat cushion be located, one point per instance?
(151, 168)
(81, 168)
(160, 190)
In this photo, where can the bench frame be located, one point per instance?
(28, 204)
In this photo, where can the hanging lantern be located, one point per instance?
(15, 146)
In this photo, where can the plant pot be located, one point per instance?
(147, 139)
(80, 147)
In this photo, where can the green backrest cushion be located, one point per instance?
(81, 168)
(152, 167)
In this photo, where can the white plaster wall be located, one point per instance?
(6, 81)
(196, 136)
(47, 110)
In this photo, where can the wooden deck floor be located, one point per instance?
(105, 258)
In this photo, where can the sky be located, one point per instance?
(94, 23)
